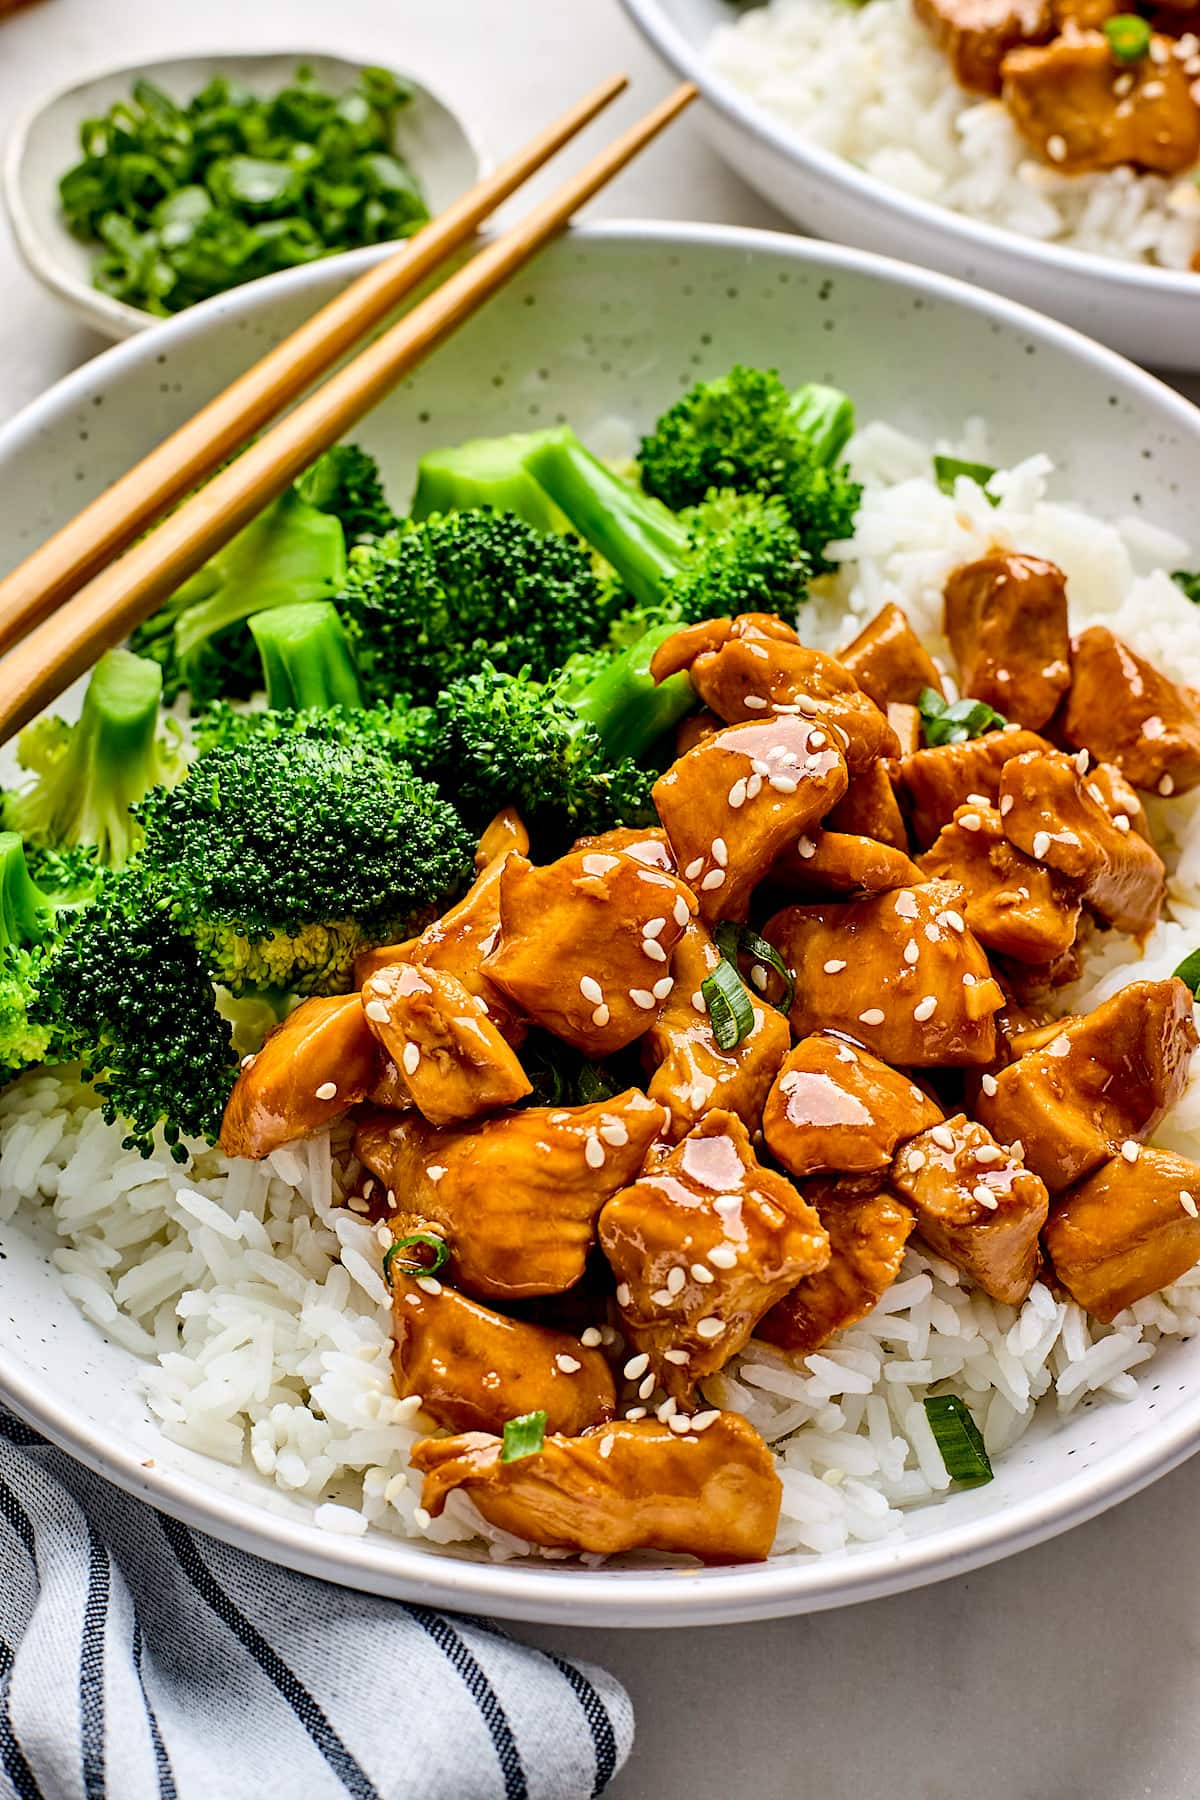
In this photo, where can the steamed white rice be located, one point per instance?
(255, 1298)
(868, 83)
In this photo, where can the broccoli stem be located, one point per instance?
(628, 709)
(640, 537)
(26, 914)
(306, 657)
(825, 418)
(486, 472)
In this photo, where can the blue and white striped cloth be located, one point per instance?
(142, 1661)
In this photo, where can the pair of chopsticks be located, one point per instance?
(89, 584)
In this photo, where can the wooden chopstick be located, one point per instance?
(182, 461)
(66, 643)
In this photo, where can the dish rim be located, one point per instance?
(118, 315)
(403, 1567)
(678, 52)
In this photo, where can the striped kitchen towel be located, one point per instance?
(142, 1661)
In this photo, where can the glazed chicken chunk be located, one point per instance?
(454, 1061)
(899, 971)
(1006, 618)
(835, 1107)
(975, 1205)
(1125, 712)
(690, 1072)
(976, 35)
(867, 1235)
(938, 780)
(889, 661)
(712, 1493)
(474, 1369)
(701, 1246)
(1048, 812)
(752, 675)
(313, 1068)
(869, 808)
(517, 1195)
(1126, 1231)
(734, 803)
(1083, 109)
(1103, 1080)
(585, 944)
(834, 862)
(1014, 905)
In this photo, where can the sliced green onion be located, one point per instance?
(762, 952)
(947, 469)
(523, 1436)
(1189, 971)
(955, 721)
(1128, 36)
(729, 1005)
(959, 1440)
(726, 937)
(1189, 581)
(428, 1240)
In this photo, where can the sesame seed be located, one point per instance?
(1041, 843)
(590, 988)
(570, 1365)
(249, 1061)
(915, 1160)
(925, 1008)
(605, 1445)
(680, 911)
(713, 880)
(375, 1009)
(593, 1152)
(429, 1284)
(784, 784)
(758, 976)
(1006, 805)
(723, 1256)
(1081, 762)
(678, 1357)
(653, 928)
(357, 1204)
(634, 1413)
(662, 988)
(970, 980)
(693, 868)
(422, 1518)
(636, 1367)
(970, 821)
(943, 1136)
(1121, 822)
(702, 1420)
(601, 1016)
(1056, 147)
(709, 1328)
(591, 1338)
(411, 1058)
(872, 1016)
(679, 1423)
(624, 1296)
(435, 1171)
(646, 1388)
(720, 852)
(642, 997)
(652, 948)
(676, 1280)
(989, 1084)
(736, 796)
(985, 1197)
(834, 966)
(815, 739)
(754, 703)
(699, 1004)
(701, 1274)
(327, 1091)
(954, 920)
(1166, 786)
(613, 1132)
(1016, 1150)
(666, 1410)
(978, 800)
(989, 1153)
(662, 1296)
(754, 787)
(806, 847)
(1096, 793)
(1188, 1203)
(912, 951)
(1131, 1150)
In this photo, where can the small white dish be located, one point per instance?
(1150, 314)
(607, 325)
(44, 144)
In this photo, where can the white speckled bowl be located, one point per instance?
(44, 144)
(611, 322)
(1148, 313)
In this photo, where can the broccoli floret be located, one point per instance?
(306, 659)
(486, 472)
(128, 997)
(407, 732)
(69, 877)
(89, 775)
(426, 605)
(291, 552)
(732, 553)
(27, 930)
(346, 482)
(747, 431)
(288, 851)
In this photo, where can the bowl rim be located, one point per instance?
(39, 254)
(546, 1592)
(680, 53)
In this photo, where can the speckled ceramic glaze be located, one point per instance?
(45, 143)
(610, 323)
(1148, 313)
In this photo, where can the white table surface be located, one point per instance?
(1069, 1673)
